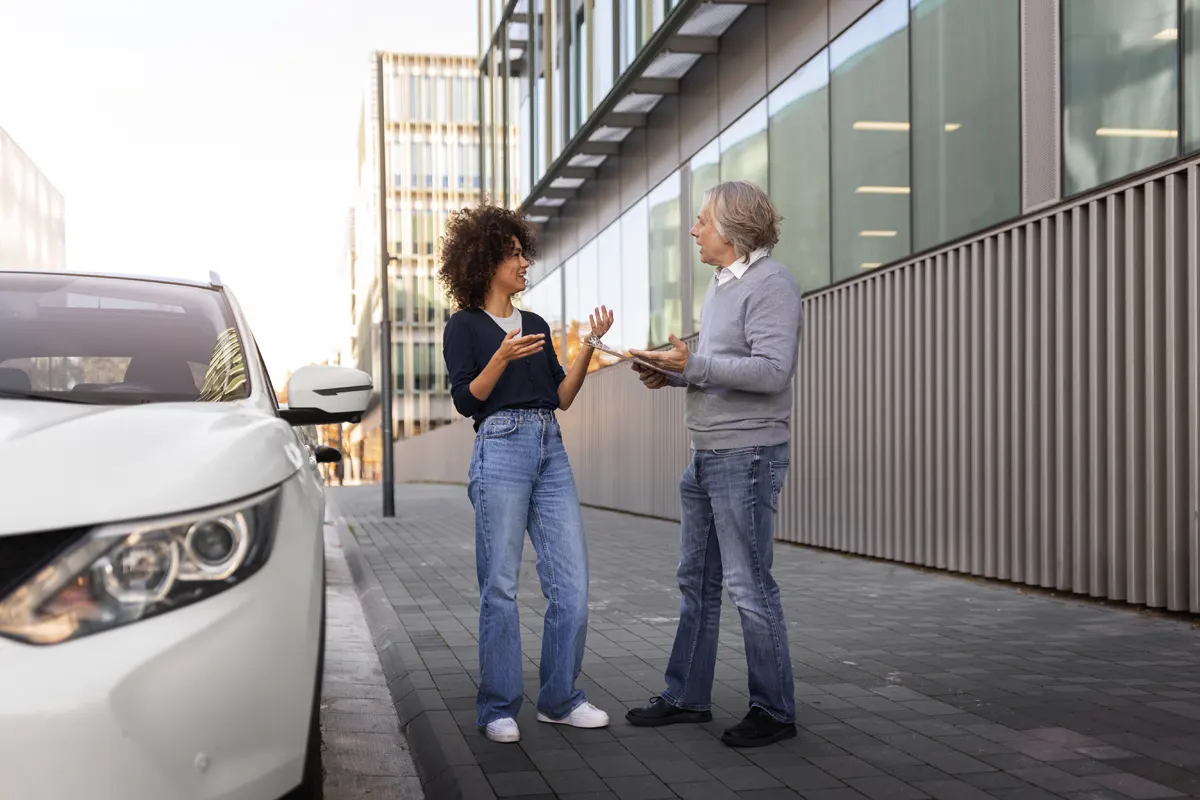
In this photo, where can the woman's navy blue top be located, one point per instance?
(471, 339)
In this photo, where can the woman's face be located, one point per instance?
(510, 275)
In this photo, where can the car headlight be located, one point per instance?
(118, 574)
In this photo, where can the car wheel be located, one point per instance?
(313, 786)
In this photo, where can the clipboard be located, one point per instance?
(594, 342)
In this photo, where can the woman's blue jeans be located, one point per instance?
(520, 480)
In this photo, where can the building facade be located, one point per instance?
(431, 161)
(993, 207)
(32, 226)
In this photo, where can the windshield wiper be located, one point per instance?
(52, 397)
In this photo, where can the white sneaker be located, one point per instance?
(503, 730)
(585, 715)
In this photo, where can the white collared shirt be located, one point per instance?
(738, 268)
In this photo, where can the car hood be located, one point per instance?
(65, 465)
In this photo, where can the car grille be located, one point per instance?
(22, 556)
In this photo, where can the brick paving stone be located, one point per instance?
(909, 683)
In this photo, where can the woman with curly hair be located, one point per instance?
(504, 373)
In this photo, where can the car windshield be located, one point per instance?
(116, 341)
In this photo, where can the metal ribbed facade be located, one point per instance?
(1021, 406)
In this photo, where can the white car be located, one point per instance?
(161, 549)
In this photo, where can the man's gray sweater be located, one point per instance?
(740, 377)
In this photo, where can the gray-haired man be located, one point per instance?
(739, 405)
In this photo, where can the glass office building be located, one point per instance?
(431, 164)
(881, 129)
(993, 207)
(32, 225)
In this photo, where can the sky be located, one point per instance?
(188, 137)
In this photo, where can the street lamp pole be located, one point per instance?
(387, 391)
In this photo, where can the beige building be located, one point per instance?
(32, 230)
(433, 166)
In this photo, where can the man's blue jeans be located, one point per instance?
(729, 498)
(520, 480)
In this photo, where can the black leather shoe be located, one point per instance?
(660, 712)
(758, 729)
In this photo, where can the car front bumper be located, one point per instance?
(210, 701)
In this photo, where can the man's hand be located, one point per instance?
(673, 360)
(649, 378)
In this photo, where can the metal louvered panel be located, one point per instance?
(1040, 105)
(1022, 406)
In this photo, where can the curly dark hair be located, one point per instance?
(476, 241)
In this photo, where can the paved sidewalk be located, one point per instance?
(910, 684)
(363, 752)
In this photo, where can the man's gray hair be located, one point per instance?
(744, 216)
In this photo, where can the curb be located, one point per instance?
(445, 762)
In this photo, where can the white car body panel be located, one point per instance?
(211, 700)
(77, 465)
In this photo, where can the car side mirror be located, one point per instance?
(328, 455)
(320, 395)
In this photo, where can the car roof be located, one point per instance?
(213, 282)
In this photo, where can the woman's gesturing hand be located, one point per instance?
(517, 347)
(601, 320)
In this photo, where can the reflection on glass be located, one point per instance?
(608, 280)
(631, 31)
(869, 137)
(1120, 88)
(706, 173)
(966, 86)
(666, 305)
(1191, 71)
(550, 307)
(539, 129)
(602, 69)
(582, 293)
(744, 148)
(799, 170)
(571, 299)
(635, 275)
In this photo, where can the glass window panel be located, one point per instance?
(1191, 73)
(557, 90)
(635, 275)
(398, 367)
(523, 147)
(744, 148)
(966, 86)
(1120, 88)
(419, 368)
(539, 129)
(581, 290)
(666, 305)
(571, 303)
(550, 307)
(602, 69)
(799, 170)
(631, 31)
(400, 308)
(608, 282)
(870, 141)
(434, 364)
(706, 173)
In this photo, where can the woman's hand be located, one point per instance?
(514, 347)
(601, 320)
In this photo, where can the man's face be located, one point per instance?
(714, 250)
